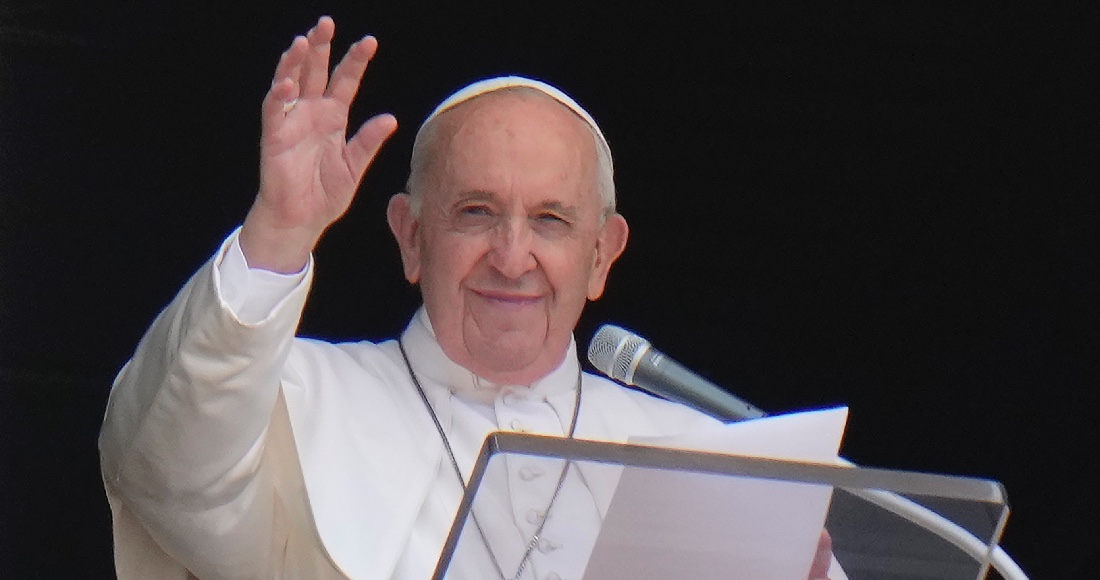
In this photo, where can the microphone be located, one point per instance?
(629, 358)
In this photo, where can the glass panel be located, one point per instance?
(543, 507)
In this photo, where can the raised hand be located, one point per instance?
(309, 169)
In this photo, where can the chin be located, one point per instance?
(509, 358)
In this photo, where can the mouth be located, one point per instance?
(508, 299)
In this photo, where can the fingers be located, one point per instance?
(315, 66)
(819, 568)
(290, 62)
(305, 63)
(362, 148)
(302, 74)
(274, 110)
(349, 73)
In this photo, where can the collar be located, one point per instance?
(432, 365)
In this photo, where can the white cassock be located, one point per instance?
(232, 449)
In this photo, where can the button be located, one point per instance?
(517, 425)
(529, 472)
(535, 516)
(553, 576)
(547, 546)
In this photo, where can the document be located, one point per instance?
(718, 526)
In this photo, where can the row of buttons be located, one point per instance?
(530, 473)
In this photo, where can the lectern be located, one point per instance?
(668, 513)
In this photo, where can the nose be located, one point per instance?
(511, 251)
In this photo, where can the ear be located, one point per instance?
(404, 227)
(609, 246)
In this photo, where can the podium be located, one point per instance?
(662, 513)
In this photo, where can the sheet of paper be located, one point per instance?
(709, 526)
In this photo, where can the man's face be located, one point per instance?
(510, 240)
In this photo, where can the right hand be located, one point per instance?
(309, 171)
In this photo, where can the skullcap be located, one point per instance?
(484, 86)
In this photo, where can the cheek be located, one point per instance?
(569, 275)
(453, 260)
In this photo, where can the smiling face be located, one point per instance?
(511, 238)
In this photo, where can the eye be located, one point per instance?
(473, 216)
(551, 224)
(550, 217)
(476, 210)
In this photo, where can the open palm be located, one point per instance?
(309, 169)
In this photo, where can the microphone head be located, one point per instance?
(616, 352)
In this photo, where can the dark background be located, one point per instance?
(885, 204)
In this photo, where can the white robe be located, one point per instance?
(233, 449)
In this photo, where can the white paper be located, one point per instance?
(713, 526)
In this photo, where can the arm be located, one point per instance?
(183, 436)
(182, 444)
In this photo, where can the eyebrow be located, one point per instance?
(474, 195)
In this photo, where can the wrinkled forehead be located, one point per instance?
(487, 86)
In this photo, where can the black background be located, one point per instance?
(889, 205)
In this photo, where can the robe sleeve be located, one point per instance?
(182, 440)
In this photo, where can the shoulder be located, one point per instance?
(357, 369)
(314, 355)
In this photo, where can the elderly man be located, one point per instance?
(230, 448)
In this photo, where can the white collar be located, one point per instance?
(433, 365)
